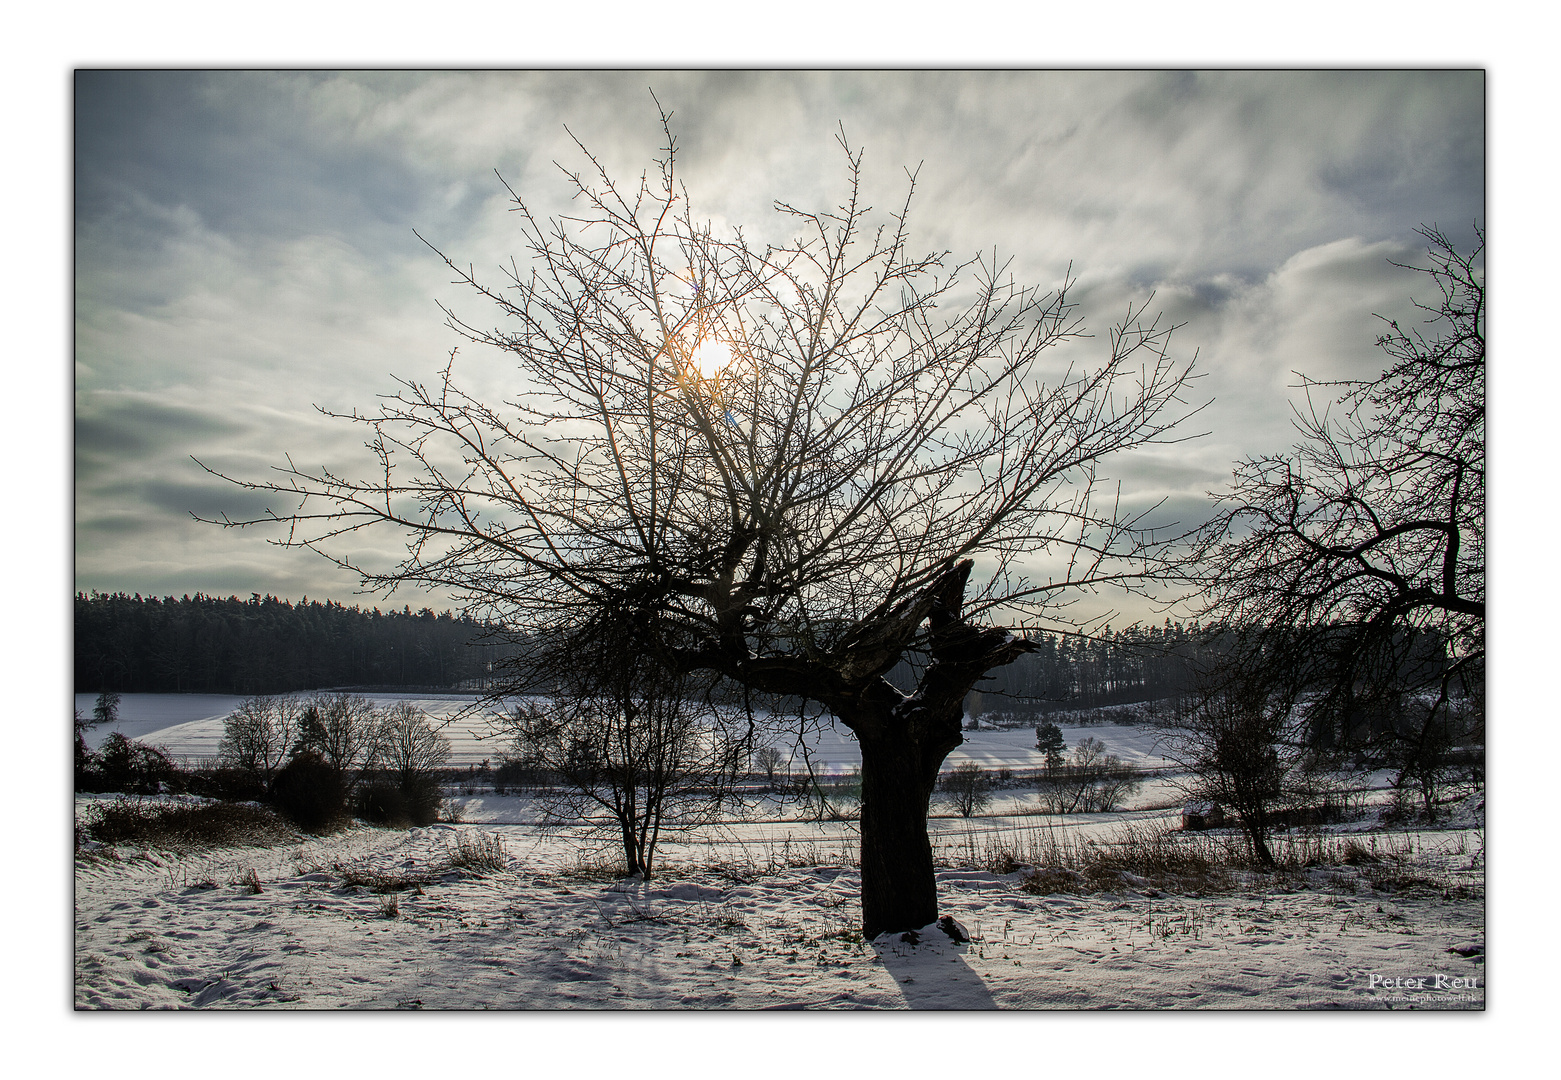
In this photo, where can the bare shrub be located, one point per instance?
(594, 866)
(129, 766)
(479, 853)
(1092, 781)
(361, 875)
(184, 826)
(635, 750)
(225, 783)
(515, 775)
(1243, 737)
(833, 797)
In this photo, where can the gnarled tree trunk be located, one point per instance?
(899, 772)
(904, 745)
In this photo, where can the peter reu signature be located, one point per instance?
(1425, 982)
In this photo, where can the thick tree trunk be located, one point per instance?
(899, 889)
(903, 746)
(904, 739)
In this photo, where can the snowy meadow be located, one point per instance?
(498, 909)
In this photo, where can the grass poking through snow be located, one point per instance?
(1167, 859)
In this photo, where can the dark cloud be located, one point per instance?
(116, 527)
(237, 148)
(114, 427)
(1157, 471)
(123, 507)
(212, 500)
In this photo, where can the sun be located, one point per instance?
(711, 356)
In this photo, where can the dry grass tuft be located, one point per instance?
(1143, 857)
(479, 853)
(363, 876)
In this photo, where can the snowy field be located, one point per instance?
(190, 726)
(760, 913)
(763, 916)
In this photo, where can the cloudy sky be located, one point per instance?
(245, 252)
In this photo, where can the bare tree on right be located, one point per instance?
(1358, 558)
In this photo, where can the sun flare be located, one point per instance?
(711, 356)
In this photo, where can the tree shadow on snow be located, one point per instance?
(934, 976)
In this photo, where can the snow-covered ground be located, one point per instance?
(760, 913)
(190, 726)
(761, 916)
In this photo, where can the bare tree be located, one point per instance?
(796, 454)
(1360, 555)
(629, 744)
(344, 730)
(410, 747)
(258, 735)
(1239, 737)
(1091, 781)
(404, 778)
(967, 788)
(768, 760)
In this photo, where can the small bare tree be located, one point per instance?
(259, 734)
(344, 730)
(1091, 781)
(768, 760)
(794, 453)
(410, 747)
(1243, 734)
(629, 745)
(967, 788)
(409, 752)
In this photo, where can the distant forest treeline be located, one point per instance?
(207, 644)
(214, 645)
(1113, 667)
